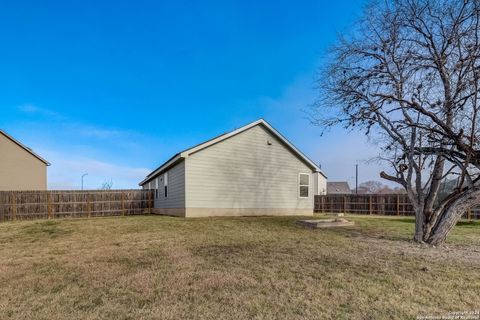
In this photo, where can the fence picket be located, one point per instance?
(14, 206)
(379, 204)
(72, 203)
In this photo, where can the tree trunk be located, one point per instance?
(445, 225)
(419, 224)
(451, 213)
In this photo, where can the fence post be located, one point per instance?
(149, 202)
(345, 204)
(398, 205)
(89, 209)
(49, 205)
(14, 206)
(123, 204)
(370, 205)
(2, 208)
(469, 213)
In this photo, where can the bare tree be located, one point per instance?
(376, 187)
(107, 185)
(408, 75)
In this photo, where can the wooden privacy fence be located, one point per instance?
(23, 205)
(380, 204)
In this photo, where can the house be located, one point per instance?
(20, 167)
(340, 187)
(252, 170)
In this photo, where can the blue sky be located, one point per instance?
(114, 88)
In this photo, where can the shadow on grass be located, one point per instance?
(377, 227)
(45, 229)
(469, 223)
(395, 228)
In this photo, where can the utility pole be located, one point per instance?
(356, 179)
(83, 175)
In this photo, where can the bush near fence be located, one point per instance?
(379, 204)
(24, 205)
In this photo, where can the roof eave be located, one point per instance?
(293, 148)
(21, 145)
(201, 146)
(186, 153)
(174, 160)
(322, 173)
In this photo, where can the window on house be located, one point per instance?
(156, 188)
(304, 185)
(165, 184)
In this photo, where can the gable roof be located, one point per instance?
(185, 153)
(340, 187)
(24, 147)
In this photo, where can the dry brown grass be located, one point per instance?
(153, 267)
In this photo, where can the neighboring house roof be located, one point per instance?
(340, 187)
(21, 145)
(185, 153)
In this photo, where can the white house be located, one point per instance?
(252, 170)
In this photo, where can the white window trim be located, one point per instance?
(304, 185)
(165, 184)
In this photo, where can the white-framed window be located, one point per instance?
(165, 184)
(303, 185)
(156, 188)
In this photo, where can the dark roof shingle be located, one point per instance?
(340, 187)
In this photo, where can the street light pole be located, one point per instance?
(83, 175)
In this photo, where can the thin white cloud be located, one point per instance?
(74, 148)
(33, 109)
(97, 132)
(58, 122)
(66, 171)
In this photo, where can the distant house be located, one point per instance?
(340, 187)
(20, 167)
(253, 170)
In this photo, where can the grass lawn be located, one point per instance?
(153, 267)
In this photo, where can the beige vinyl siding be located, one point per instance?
(319, 184)
(19, 169)
(176, 188)
(245, 172)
